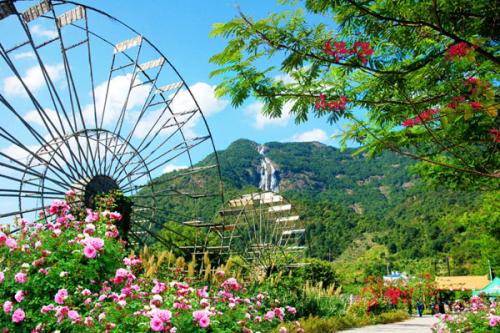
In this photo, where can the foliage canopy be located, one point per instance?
(416, 77)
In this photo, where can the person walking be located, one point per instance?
(420, 308)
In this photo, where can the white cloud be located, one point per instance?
(40, 31)
(255, 110)
(33, 78)
(173, 167)
(24, 55)
(183, 101)
(204, 95)
(33, 117)
(310, 136)
(286, 79)
(117, 95)
(19, 154)
(149, 122)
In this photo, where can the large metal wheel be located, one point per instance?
(262, 228)
(88, 104)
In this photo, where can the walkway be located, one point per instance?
(414, 325)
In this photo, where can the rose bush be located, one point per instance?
(478, 315)
(69, 271)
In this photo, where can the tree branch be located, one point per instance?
(409, 69)
(448, 34)
(396, 149)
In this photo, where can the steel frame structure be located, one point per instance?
(73, 140)
(262, 228)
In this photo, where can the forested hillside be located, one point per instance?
(394, 220)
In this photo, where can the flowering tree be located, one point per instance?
(381, 296)
(423, 287)
(69, 271)
(416, 77)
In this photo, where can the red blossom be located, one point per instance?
(471, 80)
(496, 134)
(393, 295)
(425, 116)
(328, 48)
(365, 52)
(362, 50)
(372, 304)
(475, 105)
(458, 51)
(323, 104)
(340, 48)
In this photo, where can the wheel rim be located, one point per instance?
(109, 111)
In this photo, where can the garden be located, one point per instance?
(71, 271)
(118, 213)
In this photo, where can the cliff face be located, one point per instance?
(315, 169)
(341, 197)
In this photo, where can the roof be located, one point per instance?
(473, 282)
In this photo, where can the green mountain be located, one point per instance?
(374, 203)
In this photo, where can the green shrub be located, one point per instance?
(318, 270)
(392, 317)
(316, 324)
(323, 306)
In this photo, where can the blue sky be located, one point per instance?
(181, 30)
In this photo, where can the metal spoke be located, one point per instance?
(41, 112)
(72, 144)
(73, 93)
(53, 95)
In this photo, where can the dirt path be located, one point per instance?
(414, 325)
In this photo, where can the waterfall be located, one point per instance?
(269, 176)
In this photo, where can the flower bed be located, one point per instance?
(71, 272)
(477, 315)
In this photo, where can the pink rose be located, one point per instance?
(19, 296)
(92, 217)
(21, 277)
(204, 322)
(121, 273)
(7, 307)
(156, 300)
(11, 244)
(269, 315)
(96, 243)
(73, 315)
(202, 292)
(115, 216)
(230, 283)
(2, 277)
(282, 330)
(164, 315)
(89, 252)
(47, 308)
(197, 315)
(156, 324)
(18, 316)
(58, 207)
(61, 295)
